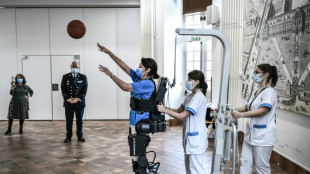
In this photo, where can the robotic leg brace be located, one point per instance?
(156, 123)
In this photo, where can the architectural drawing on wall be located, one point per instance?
(278, 32)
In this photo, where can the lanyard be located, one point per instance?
(256, 96)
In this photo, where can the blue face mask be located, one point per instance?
(74, 70)
(256, 78)
(189, 85)
(20, 80)
(139, 72)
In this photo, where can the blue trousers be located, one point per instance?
(79, 121)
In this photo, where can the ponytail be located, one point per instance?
(274, 78)
(203, 86)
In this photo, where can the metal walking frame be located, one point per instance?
(225, 124)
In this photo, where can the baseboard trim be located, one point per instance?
(286, 164)
(175, 122)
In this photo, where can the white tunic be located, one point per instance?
(261, 131)
(195, 139)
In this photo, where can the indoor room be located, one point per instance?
(154, 86)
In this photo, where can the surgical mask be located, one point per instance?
(139, 72)
(189, 85)
(20, 80)
(74, 70)
(256, 78)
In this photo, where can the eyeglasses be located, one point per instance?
(256, 72)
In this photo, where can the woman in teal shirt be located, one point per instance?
(19, 109)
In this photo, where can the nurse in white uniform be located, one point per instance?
(193, 112)
(260, 133)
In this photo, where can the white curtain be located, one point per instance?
(147, 28)
(232, 26)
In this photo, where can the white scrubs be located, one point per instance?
(195, 141)
(260, 134)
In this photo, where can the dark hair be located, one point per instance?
(21, 76)
(198, 75)
(150, 63)
(273, 73)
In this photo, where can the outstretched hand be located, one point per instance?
(103, 49)
(105, 70)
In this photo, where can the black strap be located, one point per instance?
(142, 105)
(256, 96)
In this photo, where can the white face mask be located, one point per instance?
(256, 78)
(74, 70)
(139, 72)
(189, 85)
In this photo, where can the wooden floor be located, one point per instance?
(40, 150)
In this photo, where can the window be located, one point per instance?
(208, 68)
(193, 49)
(199, 53)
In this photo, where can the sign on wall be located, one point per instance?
(278, 32)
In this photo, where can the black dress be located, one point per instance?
(20, 104)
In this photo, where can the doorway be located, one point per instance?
(44, 74)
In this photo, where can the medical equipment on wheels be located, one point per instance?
(225, 124)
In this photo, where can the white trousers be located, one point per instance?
(260, 155)
(132, 129)
(195, 164)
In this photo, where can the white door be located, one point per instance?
(37, 72)
(60, 65)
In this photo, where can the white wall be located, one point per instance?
(8, 57)
(169, 17)
(42, 31)
(217, 59)
(293, 137)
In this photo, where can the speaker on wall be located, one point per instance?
(213, 15)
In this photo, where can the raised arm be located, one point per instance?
(116, 59)
(120, 83)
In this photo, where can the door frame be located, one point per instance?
(25, 57)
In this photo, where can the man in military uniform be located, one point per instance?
(74, 88)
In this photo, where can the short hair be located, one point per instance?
(76, 63)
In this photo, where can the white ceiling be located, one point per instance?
(69, 3)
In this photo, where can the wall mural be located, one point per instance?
(278, 32)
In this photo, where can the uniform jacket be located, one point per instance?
(74, 88)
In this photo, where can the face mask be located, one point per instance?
(256, 78)
(189, 85)
(139, 72)
(20, 80)
(74, 70)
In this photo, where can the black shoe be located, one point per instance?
(20, 131)
(67, 140)
(82, 139)
(8, 132)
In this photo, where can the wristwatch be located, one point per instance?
(111, 76)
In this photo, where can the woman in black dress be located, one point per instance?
(19, 105)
